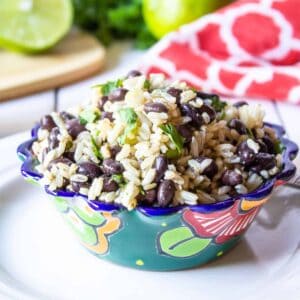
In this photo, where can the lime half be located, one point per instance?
(33, 25)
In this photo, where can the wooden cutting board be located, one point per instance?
(77, 56)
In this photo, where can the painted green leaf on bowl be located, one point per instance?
(181, 242)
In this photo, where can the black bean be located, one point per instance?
(161, 165)
(89, 169)
(231, 178)
(69, 155)
(47, 123)
(74, 128)
(246, 154)
(107, 115)
(209, 110)
(238, 126)
(262, 146)
(203, 95)
(155, 107)
(66, 116)
(76, 186)
(133, 73)
(269, 144)
(263, 161)
(101, 102)
(117, 94)
(185, 131)
(109, 185)
(165, 193)
(62, 160)
(53, 138)
(240, 104)
(149, 197)
(193, 113)
(111, 167)
(175, 93)
(65, 183)
(211, 170)
(115, 150)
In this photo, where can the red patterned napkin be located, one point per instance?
(250, 48)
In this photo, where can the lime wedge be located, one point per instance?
(33, 25)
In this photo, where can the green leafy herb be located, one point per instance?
(88, 116)
(128, 115)
(113, 19)
(174, 136)
(217, 104)
(278, 147)
(172, 153)
(119, 179)
(109, 86)
(130, 118)
(147, 84)
(250, 133)
(95, 148)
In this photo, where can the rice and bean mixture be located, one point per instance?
(153, 142)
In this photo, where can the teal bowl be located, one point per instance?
(161, 239)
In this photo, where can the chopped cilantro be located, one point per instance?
(88, 116)
(172, 153)
(108, 87)
(147, 84)
(278, 147)
(130, 118)
(250, 133)
(174, 136)
(217, 104)
(128, 115)
(119, 179)
(95, 148)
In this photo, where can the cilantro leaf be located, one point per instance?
(119, 179)
(147, 84)
(278, 147)
(95, 148)
(217, 104)
(172, 153)
(109, 86)
(128, 115)
(130, 118)
(171, 131)
(88, 116)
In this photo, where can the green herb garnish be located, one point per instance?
(173, 135)
(147, 84)
(128, 115)
(217, 104)
(119, 179)
(88, 116)
(109, 86)
(172, 153)
(130, 118)
(278, 147)
(95, 148)
(250, 133)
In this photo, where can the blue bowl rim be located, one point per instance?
(288, 171)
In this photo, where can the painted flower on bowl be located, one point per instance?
(91, 227)
(225, 224)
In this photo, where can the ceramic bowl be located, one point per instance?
(161, 239)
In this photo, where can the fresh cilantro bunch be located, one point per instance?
(113, 19)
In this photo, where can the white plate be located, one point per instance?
(40, 259)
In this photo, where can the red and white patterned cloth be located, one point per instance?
(250, 48)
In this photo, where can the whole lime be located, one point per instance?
(163, 16)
